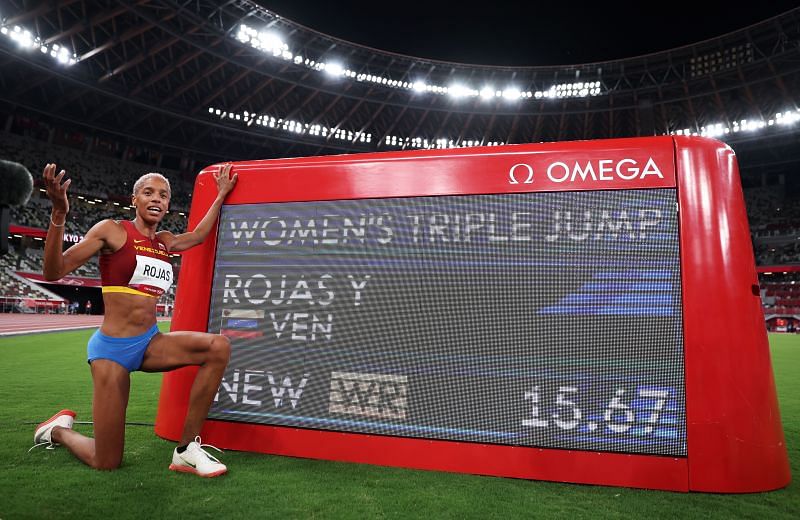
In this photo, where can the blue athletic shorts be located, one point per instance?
(128, 352)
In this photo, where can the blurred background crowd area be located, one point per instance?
(103, 174)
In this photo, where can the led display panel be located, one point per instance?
(545, 319)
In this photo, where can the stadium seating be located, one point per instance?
(18, 295)
(102, 187)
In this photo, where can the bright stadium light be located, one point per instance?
(265, 41)
(242, 35)
(292, 126)
(272, 44)
(787, 118)
(487, 93)
(752, 126)
(26, 40)
(334, 69)
(317, 130)
(714, 130)
(437, 144)
(63, 56)
(579, 89)
(22, 37)
(458, 91)
(720, 130)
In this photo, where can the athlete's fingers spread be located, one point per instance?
(50, 180)
(60, 176)
(65, 186)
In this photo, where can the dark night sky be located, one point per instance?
(525, 32)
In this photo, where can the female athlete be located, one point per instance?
(135, 271)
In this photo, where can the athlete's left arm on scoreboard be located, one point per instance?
(225, 183)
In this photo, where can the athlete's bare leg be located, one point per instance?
(111, 390)
(177, 349)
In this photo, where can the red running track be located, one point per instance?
(12, 324)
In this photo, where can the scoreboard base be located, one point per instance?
(579, 467)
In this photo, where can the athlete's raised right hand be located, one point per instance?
(56, 190)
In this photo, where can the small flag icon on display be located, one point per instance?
(242, 323)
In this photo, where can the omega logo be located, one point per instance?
(520, 169)
(593, 170)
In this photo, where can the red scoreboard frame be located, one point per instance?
(735, 441)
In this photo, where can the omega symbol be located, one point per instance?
(511, 174)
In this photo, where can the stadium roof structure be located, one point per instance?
(235, 80)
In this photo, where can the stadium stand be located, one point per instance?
(774, 216)
(780, 296)
(95, 175)
(19, 295)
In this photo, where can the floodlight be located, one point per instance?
(334, 69)
(270, 41)
(457, 90)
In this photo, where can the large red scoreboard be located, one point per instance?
(580, 312)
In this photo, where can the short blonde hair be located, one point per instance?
(146, 177)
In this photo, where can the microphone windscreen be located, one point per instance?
(16, 184)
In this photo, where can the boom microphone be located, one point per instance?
(17, 186)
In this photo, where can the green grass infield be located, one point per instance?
(42, 373)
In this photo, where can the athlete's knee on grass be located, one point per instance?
(106, 466)
(106, 463)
